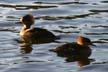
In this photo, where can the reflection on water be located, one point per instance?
(81, 61)
(26, 48)
(64, 18)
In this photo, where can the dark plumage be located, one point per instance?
(72, 49)
(34, 35)
(75, 50)
(41, 33)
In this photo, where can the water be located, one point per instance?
(65, 18)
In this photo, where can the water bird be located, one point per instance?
(34, 35)
(75, 51)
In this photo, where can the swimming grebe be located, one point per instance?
(76, 50)
(34, 35)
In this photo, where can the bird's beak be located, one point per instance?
(92, 44)
(18, 22)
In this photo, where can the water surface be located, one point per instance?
(65, 18)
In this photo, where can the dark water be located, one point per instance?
(65, 18)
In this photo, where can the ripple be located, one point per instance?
(97, 11)
(95, 68)
(65, 18)
(23, 7)
(104, 1)
(60, 3)
(100, 26)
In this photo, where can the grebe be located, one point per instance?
(79, 49)
(34, 35)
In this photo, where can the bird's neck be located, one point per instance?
(82, 44)
(25, 27)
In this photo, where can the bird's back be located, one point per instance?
(39, 35)
(72, 49)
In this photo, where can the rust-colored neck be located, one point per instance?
(80, 40)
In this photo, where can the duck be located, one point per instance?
(76, 50)
(34, 35)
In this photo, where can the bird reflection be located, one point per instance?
(26, 48)
(81, 61)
